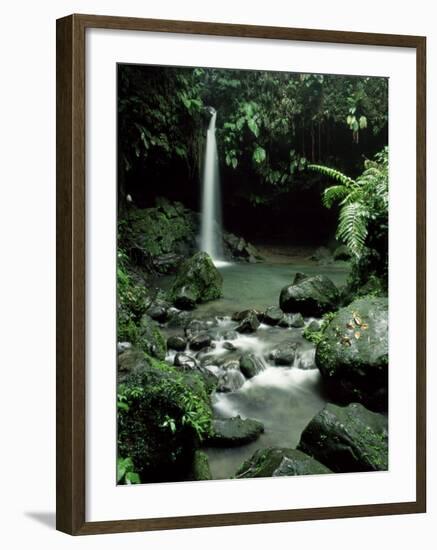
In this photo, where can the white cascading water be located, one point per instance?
(211, 230)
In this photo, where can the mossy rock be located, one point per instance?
(277, 461)
(198, 281)
(347, 439)
(163, 414)
(150, 339)
(232, 432)
(159, 237)
(310, 296)
(352, 355)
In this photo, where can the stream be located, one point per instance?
(284, 399)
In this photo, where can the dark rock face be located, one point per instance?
(200, 341)
(249, 323)
(232, 432)
(129, 361)
(347, 439)
(272, 316)
(177, 343)
(353, 354)
(150, 338)
(240, 315)
(284, 355)
(251, 365)
(277, 461)
(197, 281)
(160, 237)
(159, 311)
(240, 249)
(312, 296)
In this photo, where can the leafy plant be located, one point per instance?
(126, 474)
(362, 201)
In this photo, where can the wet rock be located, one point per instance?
(353, 354)
(313, 326)
(231, 380)
(284, 355)
(200, 341)
(240, 249)
(272, 315)
(277, 461)
(292, 320)
(186, 361)
(240, 315)
(179, 319)
(249, 323)
(230, 335)
(251, 365)
(197, 281)
(229, 346)
(167, 263)
(176, 343)
(130, 360)
(159, 312)
(312, 296)
(299, 277)
(347, 439)
(232, 432)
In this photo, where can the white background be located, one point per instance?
(27, 215)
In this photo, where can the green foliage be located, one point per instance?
(162, 415)
(316, 336)
(132, 301)
(126, 474)
(363, 202)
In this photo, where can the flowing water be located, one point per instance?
(284, 399)
(210, 232)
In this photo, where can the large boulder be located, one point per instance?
(232, 432)
(197, 281)
(347, 439)
(201, 470)
(272, 316)
(284, 355)
(352, 355)
(240, 249)
(311, 296)
(162, 415)
(277, 461)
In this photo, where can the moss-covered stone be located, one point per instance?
(352, 354)
(277, 461)
(150, 338)
(197, 281)
(160, 237)
(347, 439)
(162, 416)
(310, 296)
(232, 432)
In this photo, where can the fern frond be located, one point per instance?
(332, 173)
(352, 227)
(335, 193)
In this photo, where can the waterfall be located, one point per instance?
(211, 228)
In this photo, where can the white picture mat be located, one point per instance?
(105, 500)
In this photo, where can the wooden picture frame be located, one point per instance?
(71, 248)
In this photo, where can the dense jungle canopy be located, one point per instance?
(270, 126)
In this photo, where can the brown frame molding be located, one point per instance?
(70, 274)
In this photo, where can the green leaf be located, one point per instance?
(363, 122)
(234, 163)
(259, 155)
(253, 126)
(132, 478)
